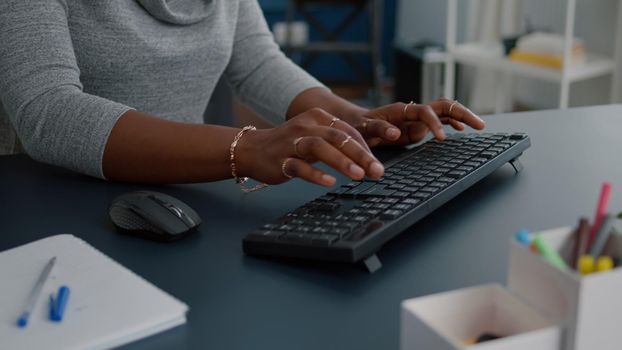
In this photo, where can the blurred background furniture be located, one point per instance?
(331, 42)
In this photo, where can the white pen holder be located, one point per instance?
(589, 307)
(444, 321)
(543, 307)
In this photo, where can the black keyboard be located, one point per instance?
(352, 222)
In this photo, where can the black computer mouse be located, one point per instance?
(153, 215)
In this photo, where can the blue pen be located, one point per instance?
(57, 306)
(22, 321)
(523, 238)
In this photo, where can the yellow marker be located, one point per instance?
(470, 341)
(604, 263)
(586, 264)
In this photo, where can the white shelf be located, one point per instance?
(491, 57)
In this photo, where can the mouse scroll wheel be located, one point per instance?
(175, 210)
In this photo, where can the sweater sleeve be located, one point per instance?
(258, 71)
(40, 88)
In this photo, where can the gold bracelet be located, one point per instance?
(241, 180)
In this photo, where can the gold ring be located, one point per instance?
(283, 168)
(296, 141)
(343, 143)
(332, 122)
(452, 106)
(406, 107)
(365, 123)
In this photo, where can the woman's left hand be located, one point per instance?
(402, 124)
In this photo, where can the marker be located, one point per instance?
(604, 263)
(602, 236)
(22, 321)
(585, 264)
(523, 238)
(57, 306)
(580, 246)
(549, 254)
(601, 211)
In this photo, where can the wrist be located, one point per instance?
(245, 153)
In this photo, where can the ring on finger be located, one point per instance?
(283, 169)
(452, 106)
(296, 142)
(333, 121)
(406, 108)
(343, 143)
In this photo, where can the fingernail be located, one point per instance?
(356, 171)
(328, 180)
(376, 169)
(392, 133)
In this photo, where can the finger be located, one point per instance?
(299, 168)
(335, 137)
(382, 129)
(324, 118)
(351, 131)
(416, 132)
(347, 157)
(458, 112)
(374, 141)
(426, 115)
(454, 123)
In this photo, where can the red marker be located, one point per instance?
(601, 211)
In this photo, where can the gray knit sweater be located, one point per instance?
(70, 68)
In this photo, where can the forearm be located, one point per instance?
(146, 149)
(325, 99)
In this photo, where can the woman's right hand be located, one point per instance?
(275, 155)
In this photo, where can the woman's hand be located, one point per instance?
(401, 123)
(275, 155)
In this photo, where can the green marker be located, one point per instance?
(549, 254)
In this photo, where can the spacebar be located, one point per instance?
(376, 191)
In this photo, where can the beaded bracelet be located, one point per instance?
(241, 180)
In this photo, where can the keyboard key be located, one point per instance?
(391, 214)
(487, 155)
(468, 169)
(390, 200)
(381, 206)
(397, 186)
(421, 195)
(339, 231)
(456, 174)
(286, 227)
(518, 136)
(324, 240)
(372, 212)
(321, 229)
(303, 229)
(338, 191)
(411, 201)
(377, 191)
(403, 207)
(266, 236)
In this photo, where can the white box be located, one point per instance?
(443, 321)
(589, 307)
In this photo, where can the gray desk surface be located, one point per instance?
(241, 302)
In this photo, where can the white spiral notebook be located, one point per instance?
(108, 306)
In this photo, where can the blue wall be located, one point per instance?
(330, 67)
